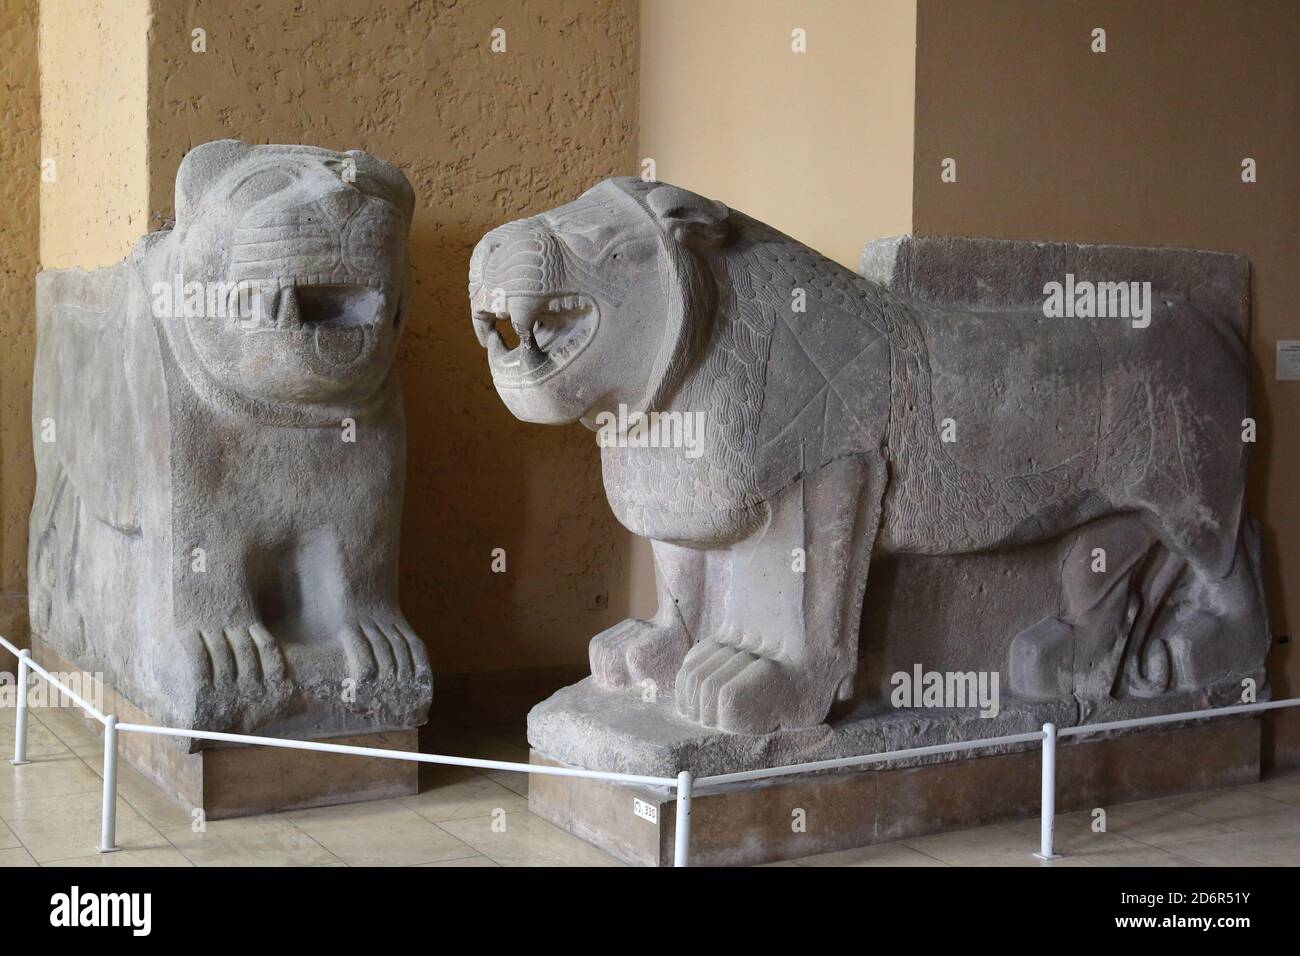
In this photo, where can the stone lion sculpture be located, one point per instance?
(838, 424)
(219, 450)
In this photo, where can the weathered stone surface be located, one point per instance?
(617, 730)
(932, 412)
(1176, 627)
(219, 450)
(602, 729)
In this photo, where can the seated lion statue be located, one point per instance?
(219, 451)
(836, 427)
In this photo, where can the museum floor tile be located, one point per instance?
(49, 816)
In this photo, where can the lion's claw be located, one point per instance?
(384, 651)
(734, 686)
(635, 651)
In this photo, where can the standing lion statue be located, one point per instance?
(828, 403)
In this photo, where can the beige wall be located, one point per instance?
(1142, 145)
(19, 243)
(819, 144)
(92, 55)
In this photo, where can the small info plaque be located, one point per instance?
(1288, 360)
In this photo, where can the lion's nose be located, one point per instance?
(490, 253)
(518, 261)
(522, 257)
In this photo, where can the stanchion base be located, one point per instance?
(1054, 856)
(19, 763)
(111, 849)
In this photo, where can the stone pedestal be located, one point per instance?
(754, 823)
(227, 780)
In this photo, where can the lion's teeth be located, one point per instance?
(483, 330)
(287, 315)
(523, 313)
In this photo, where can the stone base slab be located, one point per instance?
(746, 824)
(622, 732)
(233, 780)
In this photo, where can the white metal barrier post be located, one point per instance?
(20, 717)
(1048, 820)
(108, 833)
(682, 844)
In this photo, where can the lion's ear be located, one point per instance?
(687, 215)
(201, 167)
(385, 178)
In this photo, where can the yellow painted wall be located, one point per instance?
(19, 243)
(819, 144)
(92, 58)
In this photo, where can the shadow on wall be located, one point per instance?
(479, 480)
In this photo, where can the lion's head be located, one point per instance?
(308, 246)
(606, 296)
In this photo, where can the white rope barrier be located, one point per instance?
(289, 744)
(684, 785)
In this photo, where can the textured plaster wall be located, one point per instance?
(19, 208)
(92, 57)
(819, 144)
(1142, 144)
(483, 137)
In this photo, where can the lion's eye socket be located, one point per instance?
(632, 253)
(260, 185)
(586, 243)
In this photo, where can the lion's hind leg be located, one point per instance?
(1138, 616)
(1081, 650)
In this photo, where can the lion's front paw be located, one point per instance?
(724, 683)
(244, 656)
(634, 651)
(236, 674)
(384, 650)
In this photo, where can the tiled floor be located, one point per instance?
(49, 816)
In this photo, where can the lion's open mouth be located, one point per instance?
(552, 330)
(336, 315)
